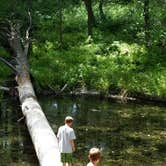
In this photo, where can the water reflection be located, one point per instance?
(14, 138)
(127, 134)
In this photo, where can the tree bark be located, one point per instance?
(43, 137)
(101, 12)
(91, 17)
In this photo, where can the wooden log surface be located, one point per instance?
(42, 135)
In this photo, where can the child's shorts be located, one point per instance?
(66, 157)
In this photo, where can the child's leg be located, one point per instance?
(63, 159)
(69, 164)
(69, 158)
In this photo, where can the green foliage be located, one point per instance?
(75, 19)
(130, 67)
(4, 70)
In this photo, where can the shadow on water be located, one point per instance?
(15, 144)
(127, 134)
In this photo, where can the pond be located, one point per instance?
(128, 134)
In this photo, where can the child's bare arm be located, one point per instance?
(72, 145)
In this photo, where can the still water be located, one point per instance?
(128, 134)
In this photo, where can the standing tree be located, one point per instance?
(101, 12)
(91, 17)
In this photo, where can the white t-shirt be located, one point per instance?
(65, 134)
(90, 164)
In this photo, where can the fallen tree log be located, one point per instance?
(137, 97)
(43, 137)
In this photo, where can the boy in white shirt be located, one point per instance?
(66, 137)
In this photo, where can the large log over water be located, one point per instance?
(43, 137)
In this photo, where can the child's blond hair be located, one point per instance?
(68, 119)
(94, 154)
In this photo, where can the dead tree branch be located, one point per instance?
(8, 64)
(27, 42)
(4, 88)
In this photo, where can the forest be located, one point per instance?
(108, 46)
(83, 47)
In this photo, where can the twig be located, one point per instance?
(4, 88)
(26, 47)
(8, 64)
(19, 120)
(64, 87)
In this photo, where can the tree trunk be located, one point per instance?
(147, 22)
(91, 18)
(43, 137)
(101, 12)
